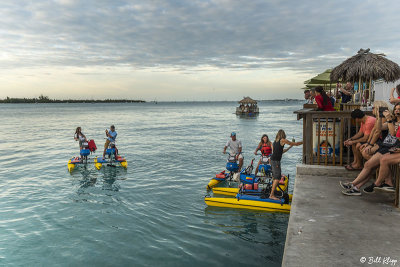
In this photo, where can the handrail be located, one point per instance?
(327, 128)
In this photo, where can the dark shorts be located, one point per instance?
(382, 149)
(276, 169)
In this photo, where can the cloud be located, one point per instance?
(299, 35)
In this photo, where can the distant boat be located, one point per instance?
(247, 107)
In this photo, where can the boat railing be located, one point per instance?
(323, 135)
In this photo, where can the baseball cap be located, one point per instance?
(233, 134)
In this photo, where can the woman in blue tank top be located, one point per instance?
(278, 150)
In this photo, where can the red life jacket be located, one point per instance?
(92, 145)
(266, 150)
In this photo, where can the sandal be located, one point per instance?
(351, 168)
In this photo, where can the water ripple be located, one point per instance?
(155, 207)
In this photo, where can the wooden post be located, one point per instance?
(305, 144)
(309, 138)
(348, 136)
(369, 91)
(341, 140)
(334, 142)
(318, 132)
(326, 141)
(360, 90)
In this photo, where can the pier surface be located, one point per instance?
(327, 228)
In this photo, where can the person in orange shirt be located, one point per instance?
(367, 124)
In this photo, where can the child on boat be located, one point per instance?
(265, 146)
(279, 143)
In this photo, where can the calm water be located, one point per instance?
(151, 214)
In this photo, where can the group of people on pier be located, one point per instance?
(273, 150)
(378, 143)
(326, 100)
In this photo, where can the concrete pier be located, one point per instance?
(327, 228)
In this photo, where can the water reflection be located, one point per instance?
(88, 177)
(249, 225)
(110, 176)
(253, 116)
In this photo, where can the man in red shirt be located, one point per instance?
(367, 124)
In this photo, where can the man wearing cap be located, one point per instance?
(111, 136)
(235, 147)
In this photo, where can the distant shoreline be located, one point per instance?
(45, 99)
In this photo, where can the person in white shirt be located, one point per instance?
(235, 147)
(307, 97)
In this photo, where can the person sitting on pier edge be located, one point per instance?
(111, 136)
(367, 124)
(386, 154)
(79, 136)
(265, 146)
(322, 99)
(277, 147)
(378, 133)
(392, 99)
(345, 93)
(235, 147)
(307, 97)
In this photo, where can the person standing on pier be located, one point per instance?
(346, 93)
(235, 147)
(278, 150)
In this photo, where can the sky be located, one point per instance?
(197, 50)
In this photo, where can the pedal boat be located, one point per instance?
(99, 161)
(251, 202)
(232, 192)
(73, 162)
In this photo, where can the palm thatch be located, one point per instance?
(366, 66)
(247, 100)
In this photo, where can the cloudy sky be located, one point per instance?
(184, 50)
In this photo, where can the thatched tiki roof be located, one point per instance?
(366, 66)
(247, 100)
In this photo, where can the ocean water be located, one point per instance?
(153, 213)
